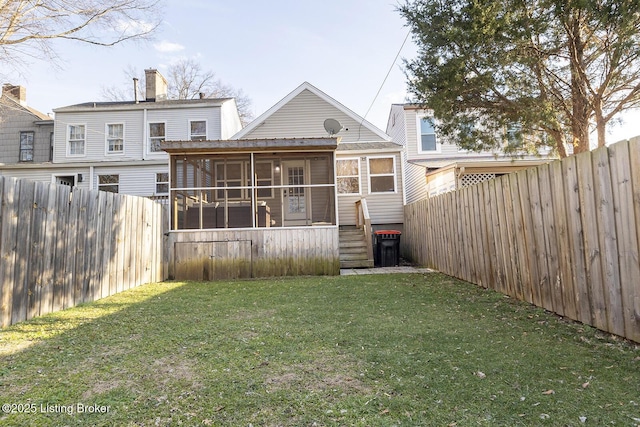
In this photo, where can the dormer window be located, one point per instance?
(427, 139)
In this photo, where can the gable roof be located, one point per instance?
(14, 104)
(308, 86)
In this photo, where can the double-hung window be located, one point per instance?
(157, 134)
(115, 138)
(427, 139)
(382, 175)
(348, 176)
(76, 140)
(198, 130)
(26, 146)
(162, 183)
(110, 183)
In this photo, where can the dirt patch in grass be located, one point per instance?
(174, 368)
(327, 372)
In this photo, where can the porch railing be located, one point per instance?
(363, 220)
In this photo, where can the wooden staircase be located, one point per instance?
(353, 248)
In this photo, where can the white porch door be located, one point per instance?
(295, 207)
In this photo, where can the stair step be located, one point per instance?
(353, 257)
(353, 249)
(353, 244)
(357, 264)
(353, 252)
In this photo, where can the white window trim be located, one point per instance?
(68, 140)
(206, 124)
(168, 182)
(147, 144)
(359, 193)
(106, 139)
(107, 174)
(395, 175)
(438, 149)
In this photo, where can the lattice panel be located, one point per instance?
(475, 178)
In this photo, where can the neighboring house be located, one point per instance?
(26, 135)
(433, 166)
(115, 146)
(277, 198)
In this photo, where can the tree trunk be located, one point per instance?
(601, 124)
(580, 100)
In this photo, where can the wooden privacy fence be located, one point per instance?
(60, 247)
(563, 236)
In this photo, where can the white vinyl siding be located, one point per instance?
(304, 116)
(384, 208)
(136, 181)
(415, 182)
(135, 128)
(96, 135)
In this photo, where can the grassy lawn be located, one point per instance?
(353, 350)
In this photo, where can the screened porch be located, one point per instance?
(251, 187)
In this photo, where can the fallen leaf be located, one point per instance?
(585, 385)
(548, 392)
(386, 411)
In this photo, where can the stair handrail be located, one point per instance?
(363, 220)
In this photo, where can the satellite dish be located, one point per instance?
(332, 126)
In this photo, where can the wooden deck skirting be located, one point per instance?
(564, 236)
(259, 252)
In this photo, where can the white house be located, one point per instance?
(114, 146)
(433, 165)
(297, 191)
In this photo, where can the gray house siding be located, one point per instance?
(15, 119)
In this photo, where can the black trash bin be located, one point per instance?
(387, 244)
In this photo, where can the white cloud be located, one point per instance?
(168, 47)
(132, 27)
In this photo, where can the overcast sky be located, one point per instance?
(266, 48)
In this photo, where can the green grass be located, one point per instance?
(372, 350)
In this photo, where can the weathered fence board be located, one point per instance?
(563, 236)
(60, 247)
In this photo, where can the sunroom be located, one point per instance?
(269, 205)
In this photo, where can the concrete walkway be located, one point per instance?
(384, 270)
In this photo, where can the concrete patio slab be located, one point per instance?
(385, 270)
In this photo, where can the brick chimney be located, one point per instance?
(155, 85)
(18, 93)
